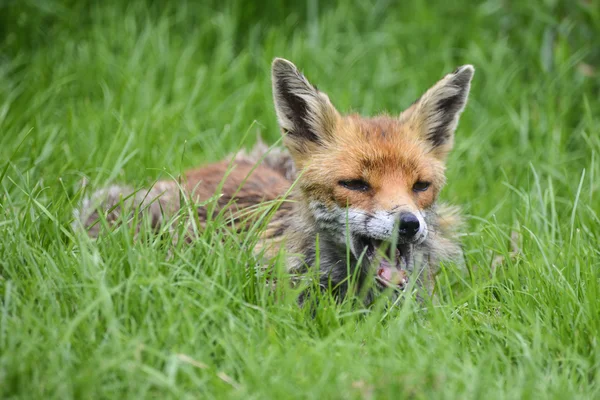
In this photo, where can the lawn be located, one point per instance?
(136, 91)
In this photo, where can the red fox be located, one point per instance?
(363, 188)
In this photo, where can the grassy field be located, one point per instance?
(132, 91)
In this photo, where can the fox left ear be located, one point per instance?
(435, 115)
(306, 115)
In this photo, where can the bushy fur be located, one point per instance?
(354, 176)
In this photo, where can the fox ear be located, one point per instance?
(435, 115)
(304, 114)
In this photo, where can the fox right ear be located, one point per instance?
(304, 114)
(435, 115)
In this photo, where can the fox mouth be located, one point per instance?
(390, 263)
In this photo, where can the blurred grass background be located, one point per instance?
(133, 91)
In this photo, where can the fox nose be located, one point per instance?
(409, 225)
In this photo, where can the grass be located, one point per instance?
(133, 91)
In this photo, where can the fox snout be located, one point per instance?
(409, 225)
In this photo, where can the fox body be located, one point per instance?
(363, 189)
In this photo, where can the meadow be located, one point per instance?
(136, 91)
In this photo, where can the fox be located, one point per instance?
(356, 197)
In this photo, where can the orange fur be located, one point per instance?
(357, 179)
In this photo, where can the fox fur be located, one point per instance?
(350, 184)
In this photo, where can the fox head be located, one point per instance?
(370, 182)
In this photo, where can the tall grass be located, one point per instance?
(137, 91)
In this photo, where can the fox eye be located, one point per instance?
(355, 184)
(421, 186)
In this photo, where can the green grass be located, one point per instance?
(132, 92)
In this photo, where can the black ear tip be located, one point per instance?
(281, 65)
(466, 71)
(463, 75)
(466, 67)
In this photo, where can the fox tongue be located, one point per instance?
(391, 274)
